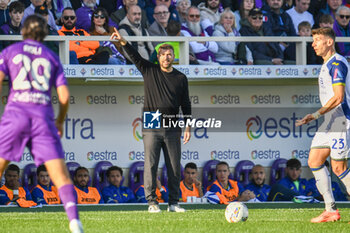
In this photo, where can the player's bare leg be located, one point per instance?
(3, 166)
(317, 157)
(60, 177)
(340, 168)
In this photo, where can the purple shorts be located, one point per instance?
(40, 135)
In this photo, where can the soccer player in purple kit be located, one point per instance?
(28, 119)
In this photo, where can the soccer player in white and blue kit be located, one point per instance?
(332, 138)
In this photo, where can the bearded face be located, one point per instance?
(195, 27)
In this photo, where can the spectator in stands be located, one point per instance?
(304, 29)
(45, 193)
(158, 27)
(115, 193)
(316, 6)
(279, 21)
(190, 186)
(85, 194)
(161, 192)
(131, 26)
(204, 51)
(337, 193)
(210, 14)
(43, 11)
(225, 190)
(11, 192)
(84, 14)
(181, 7)
(230, 52)
(30, 11)
(299, 13)
(171, 8)
(330, 9)
(257, 184)
(326, 21)
(13, 26)
(293, 181)
(120, 14)
(85, 50)
(264, 53)
(243, 12)
(100, 27)
(4, 11)
(342, 29)
(57, 8)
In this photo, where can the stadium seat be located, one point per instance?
(277, 170)
(72, 166)
(100, 174)
(164, 177)
(136, 175)
(242, 171)
(29, 177)
(209, 173)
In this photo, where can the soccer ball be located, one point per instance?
(236, 212)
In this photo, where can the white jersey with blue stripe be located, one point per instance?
(335, 72)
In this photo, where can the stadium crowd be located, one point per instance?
(222, 189)
(204, 18)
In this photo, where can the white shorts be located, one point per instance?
(334, 134)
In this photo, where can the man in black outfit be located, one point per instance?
(166, 90)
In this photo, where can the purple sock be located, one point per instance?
(69, 199)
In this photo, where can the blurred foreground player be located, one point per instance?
(28, 119)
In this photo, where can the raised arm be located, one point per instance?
(141, 63)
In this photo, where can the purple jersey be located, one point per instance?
(33, 70)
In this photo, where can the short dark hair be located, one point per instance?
(114, 168)
(326, 19)
(12, 167)
(191, 166)
(16, 6)
(222, 163)
(80, 168)
(33, 28)
(173, 28)
(68, 8)
(293, 163)
(41, 168)
(165, 47)
(324, 31)
(304, 24)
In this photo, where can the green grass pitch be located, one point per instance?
(208, 219)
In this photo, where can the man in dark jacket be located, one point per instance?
(264, 53)
(280, 22)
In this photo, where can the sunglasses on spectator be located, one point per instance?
(344, 16)
(194, 16)
(69, 17)
(96, 16)
(161, 13)
(256, 17)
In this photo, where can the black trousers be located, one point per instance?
(170, 143)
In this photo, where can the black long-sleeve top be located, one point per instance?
(164, 91)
